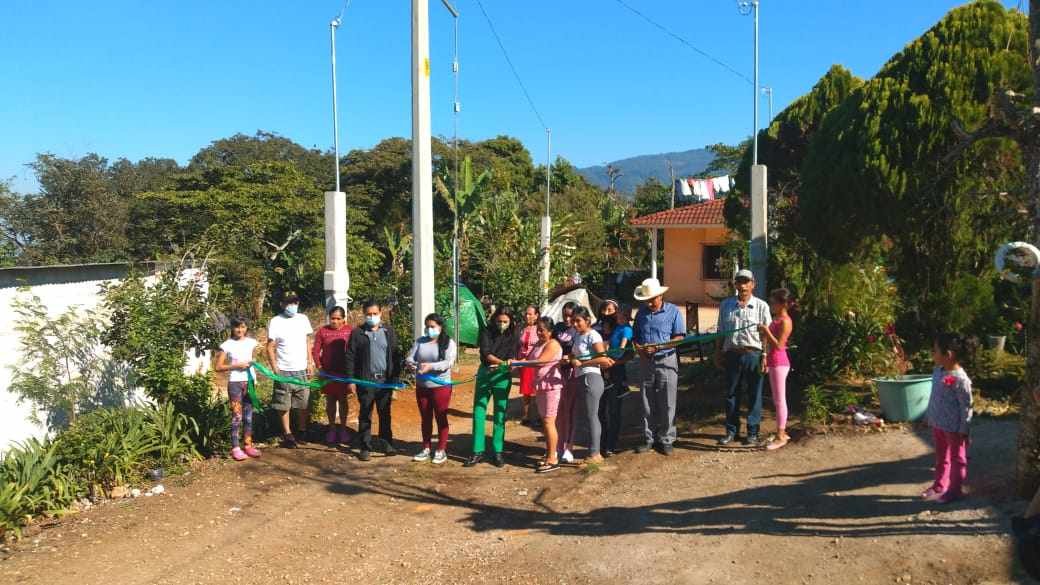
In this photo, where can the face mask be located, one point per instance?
(291, 310)
(433, 332)
(503, 326)
(372, 320)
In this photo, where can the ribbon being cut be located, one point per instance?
(312, 384)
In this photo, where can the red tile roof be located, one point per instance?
(707, 214)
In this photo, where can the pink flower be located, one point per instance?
(1018, 326)
(949, 381)
(890, 330)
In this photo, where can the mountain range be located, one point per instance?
(638, 169)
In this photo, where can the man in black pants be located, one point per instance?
(372, 354)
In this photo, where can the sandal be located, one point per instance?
(776, 443)
(932, 495)
(547, 467)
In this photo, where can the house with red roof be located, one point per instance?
(695, 237)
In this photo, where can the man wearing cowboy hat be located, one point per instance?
(657, 322)
(740, 354)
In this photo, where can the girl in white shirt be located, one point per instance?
(236, 358)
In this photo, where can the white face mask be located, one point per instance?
(291, 310)
(372, 320)
(433, 332)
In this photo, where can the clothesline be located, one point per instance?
(704, 189)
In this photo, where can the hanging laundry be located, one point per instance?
(711, 188)
(721, 184)
(699, 190)
(684, 188)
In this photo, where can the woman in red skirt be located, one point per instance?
(528, 341)
(330, 344)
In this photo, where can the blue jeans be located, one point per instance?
(743, 375)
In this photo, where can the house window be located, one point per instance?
(713, 258)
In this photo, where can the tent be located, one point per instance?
(576, 293)
(473, 319)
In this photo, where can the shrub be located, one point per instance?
(193, 397)
(109, 447)
(847, 330)
(33, 481)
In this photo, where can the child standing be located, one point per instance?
(236, 357)
(949, 414)
(778, 364)
(329, 352)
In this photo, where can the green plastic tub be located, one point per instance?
(904, 398)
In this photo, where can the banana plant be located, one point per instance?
(467, 196)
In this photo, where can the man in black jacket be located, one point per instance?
(372, 354)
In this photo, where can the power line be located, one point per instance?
(675, 36)
(512, 68)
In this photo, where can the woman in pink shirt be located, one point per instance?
(777, 363)
(528, 341)
(548, 384)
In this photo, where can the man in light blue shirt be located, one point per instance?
(740, 354)
(658, 322)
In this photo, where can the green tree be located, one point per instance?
(63, 370)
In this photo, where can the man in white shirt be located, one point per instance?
(740, 354)
(288, 339)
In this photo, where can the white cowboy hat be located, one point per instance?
(650, 288)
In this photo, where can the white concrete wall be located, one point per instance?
(15, 417)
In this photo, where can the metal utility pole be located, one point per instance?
(456, 107)
(422, 169)
(336, 278)
(751, 7)
(546, 235)
(759, 252)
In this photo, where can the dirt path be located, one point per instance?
(830, 509)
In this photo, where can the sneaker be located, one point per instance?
(567, 456)
(751, 440)
(331, 437)
(364, 455)
(642, 448)
(497, 460)
(289, 442)
(439, 457)
(238, 454)
(389, 450)
(729, 438)
(473, 460)
(252, 451)
(664, 449)
(423, 455)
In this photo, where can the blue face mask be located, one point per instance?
(433, 332)
(371, 320)
(291, 310)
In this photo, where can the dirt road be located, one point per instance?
(839, 508)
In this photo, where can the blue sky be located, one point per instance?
(142, 78)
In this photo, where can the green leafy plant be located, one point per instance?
(33, 481)
(63, 368)
(174, 433)
(814, 405)
(109, 447)
(154, 325)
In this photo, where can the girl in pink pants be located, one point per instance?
(949, 414)
(777, 363)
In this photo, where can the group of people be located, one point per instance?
(570, 371)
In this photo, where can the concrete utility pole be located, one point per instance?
(759, 198)
(336, 277)
(671, 173)
(546, 234)
(422, 169)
